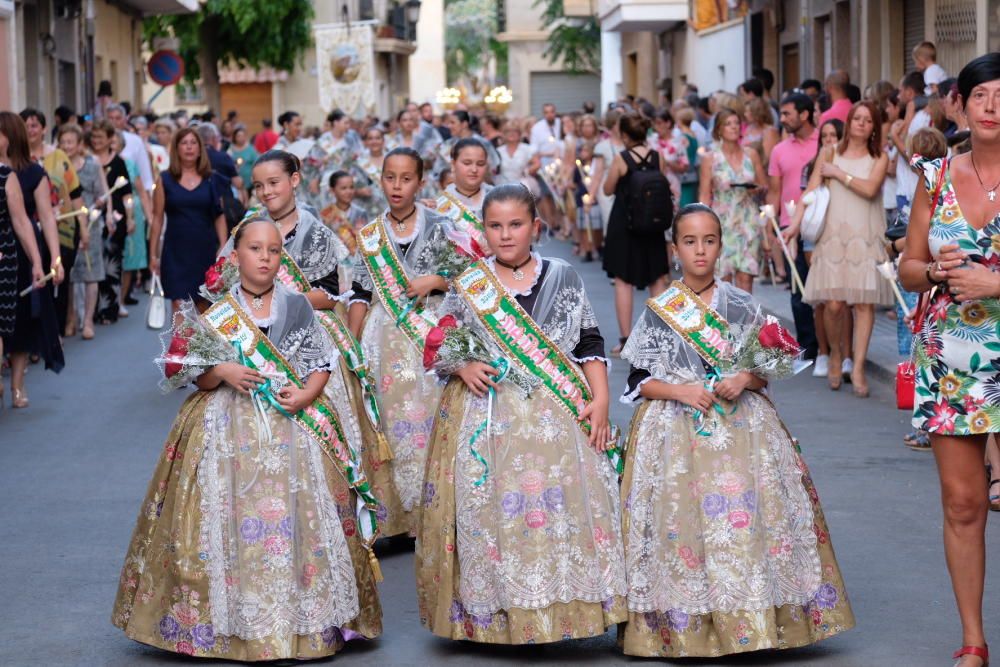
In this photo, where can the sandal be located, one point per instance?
(994, 498)
(981, 652)
(617, 350)
(921, 443)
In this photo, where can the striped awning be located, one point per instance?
(236, 75)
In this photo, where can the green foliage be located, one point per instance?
(250, 33)
(573, 43)
(469, 29)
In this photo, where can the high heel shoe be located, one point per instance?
(860, 388)
(981, 652)
(20, 398)
(834, 378)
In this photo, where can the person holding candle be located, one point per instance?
(134, 257)
(726, 546)
(89, 269)
(243, 153)
(843, 272)
(19, 239)
(519, 538)
(116, 230)
(197, 228)
(589, 230)
(36, 329)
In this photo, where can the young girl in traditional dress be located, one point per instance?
(250, 544)
(469, 164)
(726, 546)
(343, 215)
(519, 539)
(403, 254)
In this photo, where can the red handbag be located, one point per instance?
(906, 371)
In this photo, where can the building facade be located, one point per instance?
(55, 52)
(652, 48)
(266, 93)
(533, 79)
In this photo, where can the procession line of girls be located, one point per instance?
(253, 542)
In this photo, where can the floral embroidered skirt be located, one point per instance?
(726, 546)
(408, 397)
(533, 553)
(165, 594)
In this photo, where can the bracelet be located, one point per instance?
(848, 179)
(927, 274)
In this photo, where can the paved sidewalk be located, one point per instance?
(883, 353)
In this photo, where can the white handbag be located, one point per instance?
(814, 217)
(156, 316)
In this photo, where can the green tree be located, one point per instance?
(575, 43)
(469, 29)
(248, 33)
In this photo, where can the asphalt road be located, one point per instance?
(75, 465)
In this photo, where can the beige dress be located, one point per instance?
(843, 264)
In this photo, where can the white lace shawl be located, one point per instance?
(655, 347)
(425, 241)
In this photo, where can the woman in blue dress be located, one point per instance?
(196, 228)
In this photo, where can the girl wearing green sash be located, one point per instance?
(470, 165)
(249, 542)
(399, 263)
(726, 546)
(519, 539)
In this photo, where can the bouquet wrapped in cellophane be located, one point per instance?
(449, 346)
(766, 349)
(189, 349)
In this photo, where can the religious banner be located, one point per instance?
(345, 64)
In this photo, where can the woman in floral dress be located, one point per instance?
(519, 538)
(726, 546)
(953, 247)
(731, 182)
(251, 542)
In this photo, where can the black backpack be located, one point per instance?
(649, 205)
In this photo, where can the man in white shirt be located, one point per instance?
(910, 88)
(134, 149)
(546, 140)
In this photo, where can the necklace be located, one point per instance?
(468, 196)
(279, 218)
(991, 193)
(517, 274)
(702, 290)
(401, 222)
(258, 299)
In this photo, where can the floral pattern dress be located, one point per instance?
(957, 383)
(726, 546)
(737, 209)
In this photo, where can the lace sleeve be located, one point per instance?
(310, 350)
(655, 348)
(636, 378)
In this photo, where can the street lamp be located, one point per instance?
(412, 8)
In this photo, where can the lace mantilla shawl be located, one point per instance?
(561, 309)
(292, 327)
(655, 347)
(421, 257)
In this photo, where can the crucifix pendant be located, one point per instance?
(992, 195)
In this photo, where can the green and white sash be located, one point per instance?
(319, 419)
(464, 220)
(524, 343)
(291, 277)
(390, 281)
(705, 330)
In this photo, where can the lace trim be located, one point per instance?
(339, 298)
(491, 262)
(417, 228)
(634, 396)
(367, 302)
(592, 357)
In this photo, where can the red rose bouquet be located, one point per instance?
(767, 350)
